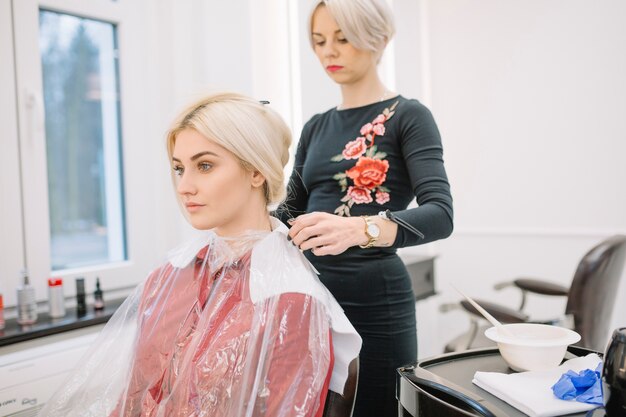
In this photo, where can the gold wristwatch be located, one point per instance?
(372, 231)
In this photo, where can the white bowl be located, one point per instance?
(531, 346)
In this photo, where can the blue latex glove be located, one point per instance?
(584, 386)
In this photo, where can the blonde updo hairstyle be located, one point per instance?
(366, 24)
(250, 130)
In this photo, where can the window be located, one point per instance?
(81, 101)
(78, 145)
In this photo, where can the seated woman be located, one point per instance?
(235, 323)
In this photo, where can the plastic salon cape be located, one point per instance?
(228, 327)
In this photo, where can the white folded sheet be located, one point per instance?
(531, 392)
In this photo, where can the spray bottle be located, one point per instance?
(26, 302)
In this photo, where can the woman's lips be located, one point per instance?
(333, 68)
(193, 207)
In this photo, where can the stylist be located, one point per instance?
(357, 168)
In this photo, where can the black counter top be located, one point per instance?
(46, 325)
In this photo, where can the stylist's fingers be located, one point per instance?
(296, 224)
(315, 242)
(307, 233)
(302, 222)
(327, 250)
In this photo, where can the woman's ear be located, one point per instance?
(257, 179)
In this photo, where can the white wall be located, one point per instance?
(530, 98)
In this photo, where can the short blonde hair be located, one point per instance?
(366, 24)
(250, 130)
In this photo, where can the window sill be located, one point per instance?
(46, 326)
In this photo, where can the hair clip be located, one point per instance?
(264, 102)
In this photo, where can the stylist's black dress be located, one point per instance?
(358, 162)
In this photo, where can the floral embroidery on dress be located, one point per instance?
(369, 173)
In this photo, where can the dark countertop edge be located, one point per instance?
(47, 326)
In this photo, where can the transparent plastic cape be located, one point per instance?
(226, 327)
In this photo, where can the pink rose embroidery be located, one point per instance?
(379, 129)
(379, 119)
(367, 128)
(355, 149)
(382, 197)
(360, 195)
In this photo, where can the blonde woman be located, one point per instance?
(358, 166)
(235, 323)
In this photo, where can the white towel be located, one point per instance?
(531, 392)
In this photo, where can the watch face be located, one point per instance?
(373, 230)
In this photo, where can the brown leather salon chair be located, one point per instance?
(590, 299)
(342, 405)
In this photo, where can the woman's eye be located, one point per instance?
(178, 170)
(342, 40)
(204, 166)
(320, 43)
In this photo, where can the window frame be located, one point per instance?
(30, 210)
(12, 248)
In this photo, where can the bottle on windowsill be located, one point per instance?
(56, 299)
(81, 302)
(98, 304)
(26, 302)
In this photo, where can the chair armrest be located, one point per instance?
(501, 313)
(540, 287)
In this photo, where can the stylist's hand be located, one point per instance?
(327, 234)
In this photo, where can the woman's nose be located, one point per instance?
(330, 50)
(185, 185)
